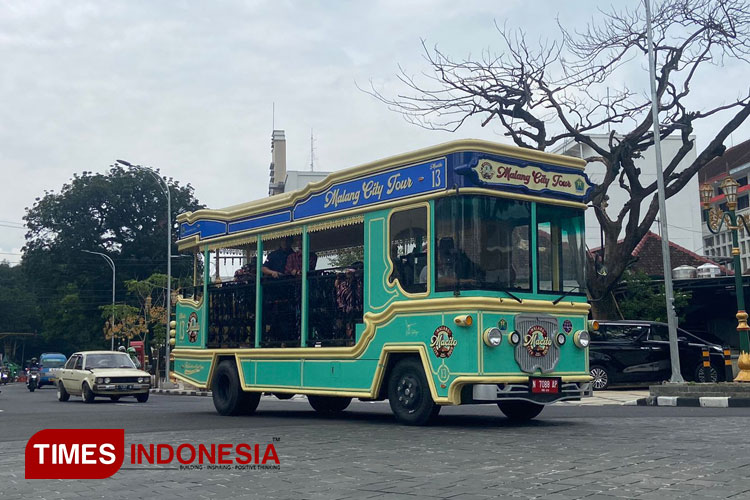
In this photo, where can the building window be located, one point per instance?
(742, 181)
(708, 242)
(742, 202)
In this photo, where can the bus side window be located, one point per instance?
(335, 288)
(409, 249)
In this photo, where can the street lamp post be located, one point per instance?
(163, 184)
(112, 265)
(715, 218)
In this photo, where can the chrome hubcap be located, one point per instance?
(600, 378)
(408, 392)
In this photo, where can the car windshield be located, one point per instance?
(114, 360)
(53, 363)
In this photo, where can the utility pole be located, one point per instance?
(674, 352)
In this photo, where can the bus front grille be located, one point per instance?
(537, 349)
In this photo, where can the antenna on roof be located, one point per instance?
(312, 151)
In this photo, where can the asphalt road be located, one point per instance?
(471, 452)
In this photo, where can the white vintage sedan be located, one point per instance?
(102, 373)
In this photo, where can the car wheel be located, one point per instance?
(706, 374)
(520, 411)
(114, 398)
(283, 395)
(409, 394)
(62, 394)
(87, 394)
(600, 378)
(328, 405)
(142, 398)
(228, 396)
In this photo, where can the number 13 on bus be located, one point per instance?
(450, 275)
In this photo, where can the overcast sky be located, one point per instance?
(188, 86)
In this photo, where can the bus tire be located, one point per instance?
(409, 393)
(328, 405)
(228, 396)
(520, 411)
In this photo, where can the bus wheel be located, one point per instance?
(228, 396)
(409, 394)
(520, 411)
(328, 404)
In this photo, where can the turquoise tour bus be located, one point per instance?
(445, 276)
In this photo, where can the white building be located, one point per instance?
(683, 209)
(283, 180)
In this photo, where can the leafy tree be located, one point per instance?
(121, 213)
(564, 90)
(643, 299)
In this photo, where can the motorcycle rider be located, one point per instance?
(33, 383)
(134, 357)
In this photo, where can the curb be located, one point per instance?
(704, 402)
(180, 392)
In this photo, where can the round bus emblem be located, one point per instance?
(442, 342)
(567, 326)
(537, 342)
(486, 170)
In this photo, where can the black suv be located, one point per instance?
(636, 352)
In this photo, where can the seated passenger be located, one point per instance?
(276, 260)
(246, 272)
(293, 265)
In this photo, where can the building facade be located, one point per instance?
(734, 163)
(683, 209)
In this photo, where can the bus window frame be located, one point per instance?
(428, 236)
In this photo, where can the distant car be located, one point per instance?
(50, 363)
(637, 352)
(102, 373)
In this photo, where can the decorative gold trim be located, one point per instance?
(373, 320)
(226, 241)
(336, 223)
(414, 157)
(235, 242)
(275, 235)
(197, 304)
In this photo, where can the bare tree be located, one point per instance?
(554, 92)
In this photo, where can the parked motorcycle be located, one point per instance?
(33, 380)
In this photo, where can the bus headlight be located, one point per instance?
(493, 337)
(582, 339)
(561, 338)
(514, 338)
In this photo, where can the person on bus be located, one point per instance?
(276, 260)
(294, 260)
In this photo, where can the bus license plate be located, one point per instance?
(545, 385)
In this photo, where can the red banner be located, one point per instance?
(75, 453)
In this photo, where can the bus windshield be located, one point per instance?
(485, 243)
(560, 249)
